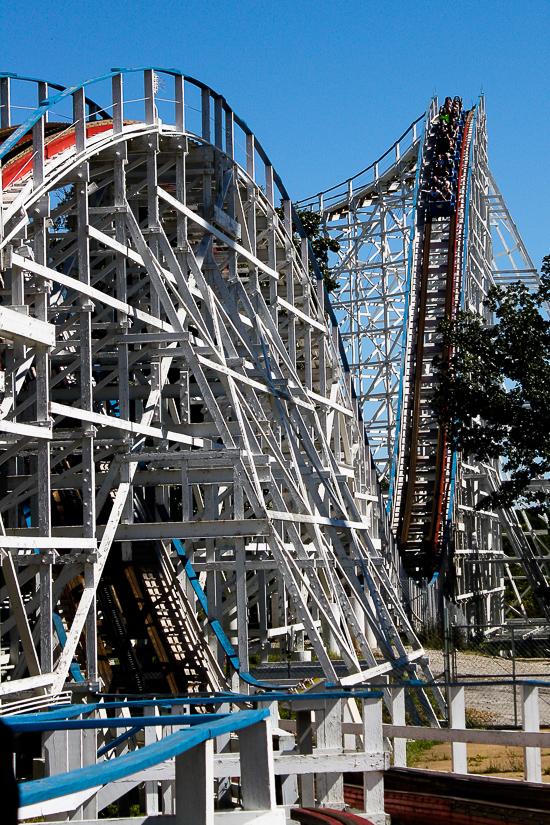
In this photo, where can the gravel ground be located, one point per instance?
(497, 701)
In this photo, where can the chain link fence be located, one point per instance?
(505, 655)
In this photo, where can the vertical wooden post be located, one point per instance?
(118, 105)
(179, 85)
(149, 89)
(74, 753)
(304, 742)
(151, 788)
(5, 111)
(532, 770)
(195, 785)
(256, 757)
(398, 718)
(330, 786)
(218, 124)
(457, 714)
(240, 578)
(89, 757)
(205, 98)
(373, 741)
(56, 752)
(223, 745)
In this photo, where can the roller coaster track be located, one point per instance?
(178, 414)
(402, 267)
(424, 461)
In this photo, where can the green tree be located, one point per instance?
(494, 388)
(320, 244)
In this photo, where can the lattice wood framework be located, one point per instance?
(371, 216)
(176, 417)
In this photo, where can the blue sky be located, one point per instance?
(326, 87)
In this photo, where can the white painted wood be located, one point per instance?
(398, 718)
(20, 541)
(91, 292)
(373, 781)
(256, 761)
(330, 786)
(52, 807)
(228, 764)
(119, 424)
(151, 735)
(195, 785)
(457, 718)
(56, 753)
(75, 761)
(18, 607)
(512, 738)
(217, 234)
(378, 670)
(532, 769)
(15, 324)
(29, 430)
(89, 757)
(237, 817)
(304, 743)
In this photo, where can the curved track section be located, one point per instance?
(185, 477)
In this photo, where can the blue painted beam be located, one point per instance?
(68, 711)
(29, 725)
(118, 741)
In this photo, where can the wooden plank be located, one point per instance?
(208, 227)
(20, 325)
(121, 424)
(81, 288)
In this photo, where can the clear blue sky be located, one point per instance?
(325, 86)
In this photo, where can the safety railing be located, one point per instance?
(186, 752)
(460, 731)
(345, 191)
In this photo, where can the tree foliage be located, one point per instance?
(494, 389)
(320, 244)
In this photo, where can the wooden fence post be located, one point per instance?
(457, 715)
(304, 742)
(398, 718)
(373, 741)
(151, 788)
(195, 785)
(532, 769)
(257, 775)
(330, 786)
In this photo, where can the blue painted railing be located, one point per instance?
(41, 790)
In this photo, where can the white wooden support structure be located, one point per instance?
(377, 218)
(174, 396)
(304, 744)
(194, 784)
(151, 788)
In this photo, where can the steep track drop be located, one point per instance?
(424, 462)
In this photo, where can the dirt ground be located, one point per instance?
(487, 760)
(487, 706)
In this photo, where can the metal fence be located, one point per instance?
(504, 654)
